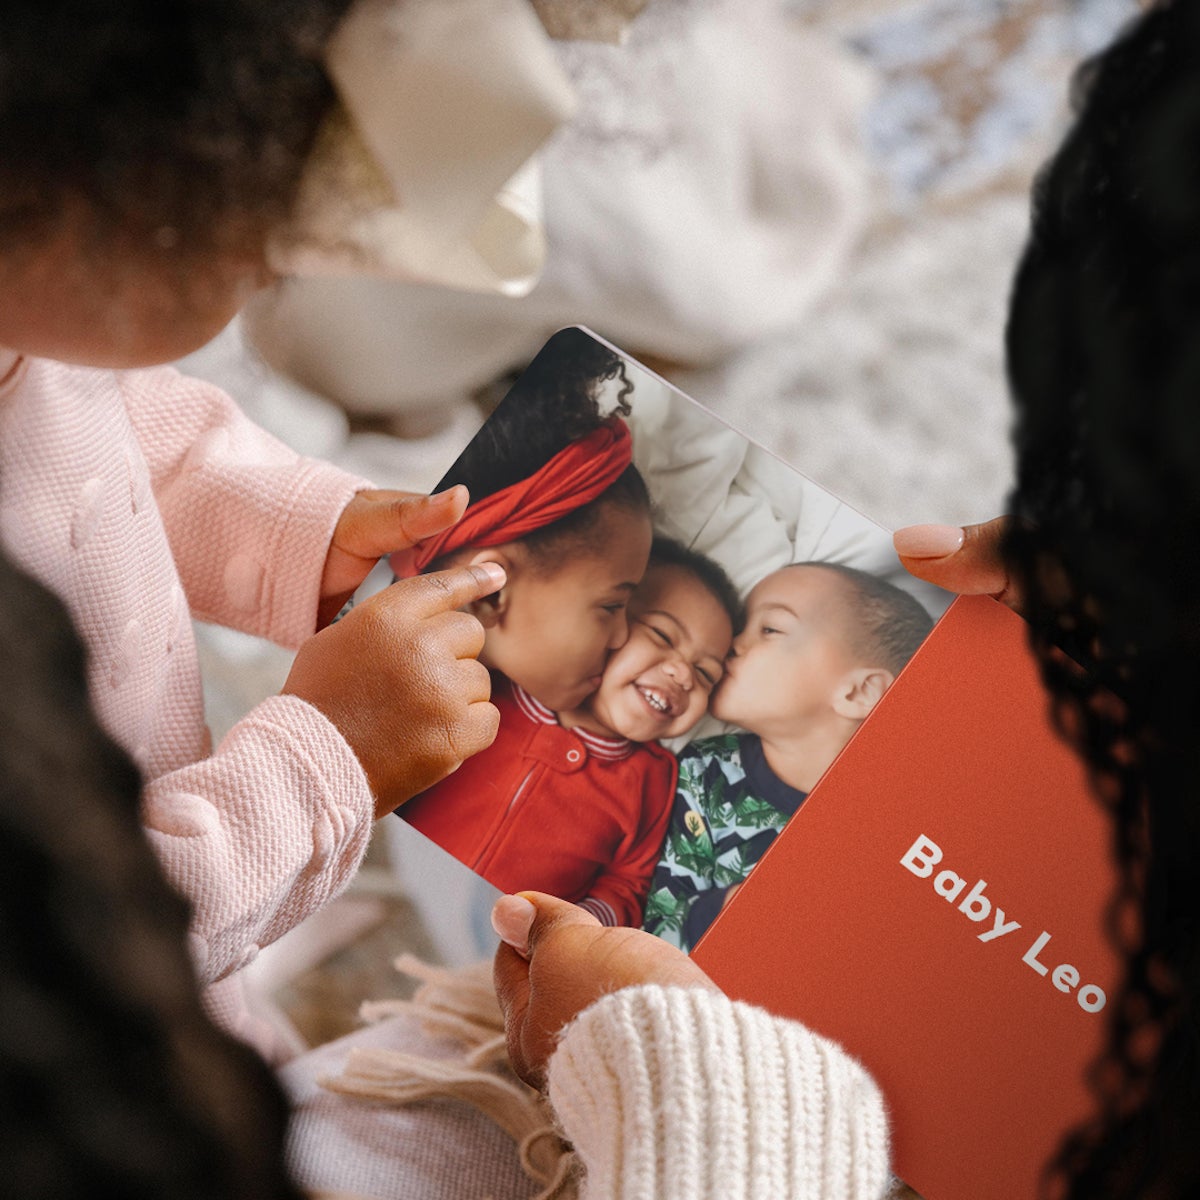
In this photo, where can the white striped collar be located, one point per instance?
(535, 710)
(611, 748)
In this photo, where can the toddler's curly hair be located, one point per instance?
(176, 125)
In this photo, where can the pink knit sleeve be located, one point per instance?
(262, 833)
(249, 520)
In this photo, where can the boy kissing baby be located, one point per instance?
(821, 644)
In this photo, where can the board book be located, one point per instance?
(936, 904)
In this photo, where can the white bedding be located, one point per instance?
(722, 494)
(719, 493)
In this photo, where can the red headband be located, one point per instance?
(575, 476)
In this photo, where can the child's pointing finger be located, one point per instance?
(443, 591)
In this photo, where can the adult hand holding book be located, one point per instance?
(966, 559)
(555, 959)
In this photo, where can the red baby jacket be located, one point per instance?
(555, 810)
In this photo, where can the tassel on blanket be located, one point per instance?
(460, 1003)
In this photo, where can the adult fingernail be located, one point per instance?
(496, 574)
(512, 918)
(928, 541)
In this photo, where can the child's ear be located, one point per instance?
(858, 691)
(490, 610)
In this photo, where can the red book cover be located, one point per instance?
(937, 907)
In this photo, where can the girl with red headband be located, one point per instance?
(557, 503)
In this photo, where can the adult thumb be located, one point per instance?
(966, 559)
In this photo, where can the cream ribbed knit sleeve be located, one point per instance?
(682, 1094)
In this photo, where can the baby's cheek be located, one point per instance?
(697, 708)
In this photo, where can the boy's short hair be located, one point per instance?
(888, 624)
(667, 552)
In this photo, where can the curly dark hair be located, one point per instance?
(112, 1080)
(554, 402)
(667, 552)
(1104, 359)
(176, 124)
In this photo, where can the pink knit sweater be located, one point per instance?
(143, 498)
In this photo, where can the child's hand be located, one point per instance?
(555, 959)
(400, 679)
(376, 523)
(966, 560)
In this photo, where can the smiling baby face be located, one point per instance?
(658, 683)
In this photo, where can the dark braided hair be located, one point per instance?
(554, 402)
(1104, 358)
(112, 1080)
(177, 124)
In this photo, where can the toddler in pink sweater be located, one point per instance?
(143, 498)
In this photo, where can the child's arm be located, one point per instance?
(617, 896)
(271, 826)
(248, 519)
(663, 1077)
(666, 1088)
(262, 833)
